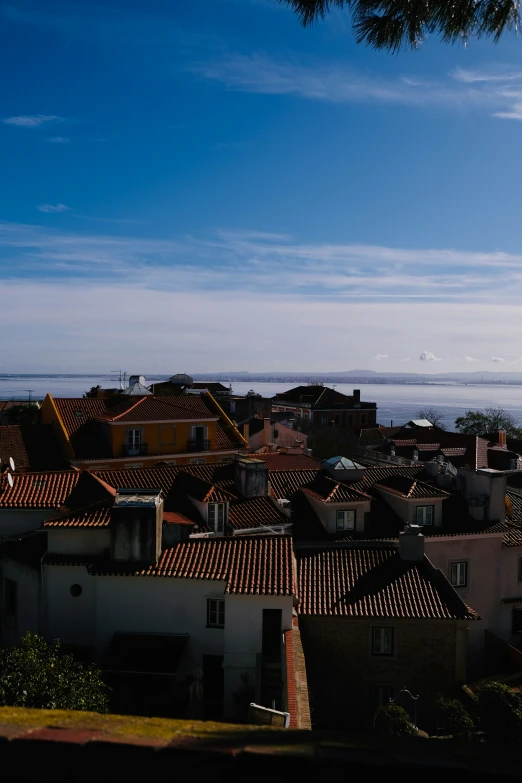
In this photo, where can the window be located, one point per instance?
(364, 418)
(215, 613)
(133, 442)
(459, 574)
(10, 602)
(197, 461)
(324, 418)
(337, 419)
(167, 434)
(424, 515)
(133, 465)
(216, 516)
(346, 519)
(516, 619)
(379, 696)
(226, 459)
(382, 641)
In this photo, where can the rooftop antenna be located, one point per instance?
(122, 378)
(29, 391)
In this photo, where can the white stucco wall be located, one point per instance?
(70, 619)
(28, 600)
(405, 508)
(111, 604)
(78, 541)
(15, 521)
(327, 512)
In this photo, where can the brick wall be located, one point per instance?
(341, 669)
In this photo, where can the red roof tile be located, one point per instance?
(199, 489)
(329, 491)
(277, 461)
(97, 515)
(249, 566)
(47, 489)
(159, 409)
(256, 512)
(374, 582)
(410, 488)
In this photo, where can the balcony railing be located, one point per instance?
(199, 445)
(134, 449)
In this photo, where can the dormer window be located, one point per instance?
(424, 515)
(345, 520)
(217, 517)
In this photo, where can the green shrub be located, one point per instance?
(500, 710)
(391, 719)
(454, 718)
(37, 674)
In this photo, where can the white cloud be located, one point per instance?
(499, 92)
(406, 359)
(58, 139)
(497, 359)
(31, 120)
(428, 356)
(470, 359)
(53, 208)
(380, 356)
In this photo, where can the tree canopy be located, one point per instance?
(487, 422)
(404, 24)
(38, 674)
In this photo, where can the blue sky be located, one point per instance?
(207, 186)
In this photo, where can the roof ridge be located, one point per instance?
(127, 410)
(75, 511)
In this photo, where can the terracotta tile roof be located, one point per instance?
(256, 512)
(12, 445)
(374, 582)
(277, 461)
(32, 446)
(285, 483)
(158, 409)
(249, 566)
(410, 488)
(74, 412)
(47, 489)
(96, 515)
(329, 491)
(199, 489)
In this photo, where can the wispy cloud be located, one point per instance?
(184, 285)
(58, 140)
(470, 359)
(53, 208)
(498, 92)
(32, 120)
(497, 359)
(380, 356)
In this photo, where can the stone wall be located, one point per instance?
(341, 669)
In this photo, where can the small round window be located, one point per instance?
(76, 590)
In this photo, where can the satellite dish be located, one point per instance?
(10, 480)
(11, 463)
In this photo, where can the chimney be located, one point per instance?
(411, 543)
(357, 396)
(502, 438)
(136, 526)
(485, 491)
(251, 478)
(268, 435)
